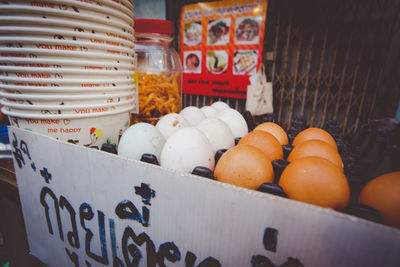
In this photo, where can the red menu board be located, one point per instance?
(221, 46)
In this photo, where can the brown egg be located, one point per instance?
(316, 181)
(264, 141)
(244, 166)
(316, 148)
(275, 130)
(312, 134)
(383, 194)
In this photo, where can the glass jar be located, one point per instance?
(159, 70)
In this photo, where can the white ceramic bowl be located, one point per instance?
(16, 113)
(118, 5)
(95, 97)
(78, 82)
(37, 104)
(43, 90)
(62, 33)
(46, 13)
(92, 6)
(67, 110)
(65, 24)
(64, 72)
(59, 77)
(57, 44)
(26, 89)
(70, 52)
(72, 63)
(87, 131)
(60, 73)
(98, 10)
(56, 87)
(127, 4)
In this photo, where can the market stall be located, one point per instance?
(235, 133)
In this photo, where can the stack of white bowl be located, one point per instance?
(67, 68)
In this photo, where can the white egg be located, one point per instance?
(170, 123)
(220, 106)
(235, 121)
(209, 111)
(193, 115)
(218, 133)
(186, 149)
(139, 139)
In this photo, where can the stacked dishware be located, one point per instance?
(67, 68)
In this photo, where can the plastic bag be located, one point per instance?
(259, 93)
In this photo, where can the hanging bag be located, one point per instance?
(259, 94)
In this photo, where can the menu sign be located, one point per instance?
(221, 46)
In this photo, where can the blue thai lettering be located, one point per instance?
(191, 258)
(131, 243)
(46, 175)
(117, 262)
(86, 213)
(169, 251)
(261, 261)
(131, 252)
(24, 148)
(19, 158)
(127, 210)
(145, 192)
(72, 236)
(270, 239)
(73, 257)
(47, 192)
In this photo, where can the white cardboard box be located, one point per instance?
(119, 212)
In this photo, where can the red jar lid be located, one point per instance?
(154, 26)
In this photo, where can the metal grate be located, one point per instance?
(331, 60)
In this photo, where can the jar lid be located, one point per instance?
(154, 26)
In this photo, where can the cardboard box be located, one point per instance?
(84, 207)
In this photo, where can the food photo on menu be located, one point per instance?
(192, 33)
(192, 62)
(218, 31)
(217, 61)
(247, 30)
(245, 62)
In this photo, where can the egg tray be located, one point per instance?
(372, 151)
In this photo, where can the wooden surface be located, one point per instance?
(11, 219)
(8, 183)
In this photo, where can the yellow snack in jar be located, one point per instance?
(159, 95)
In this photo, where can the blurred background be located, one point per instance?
(150, 9)
(327, 60)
